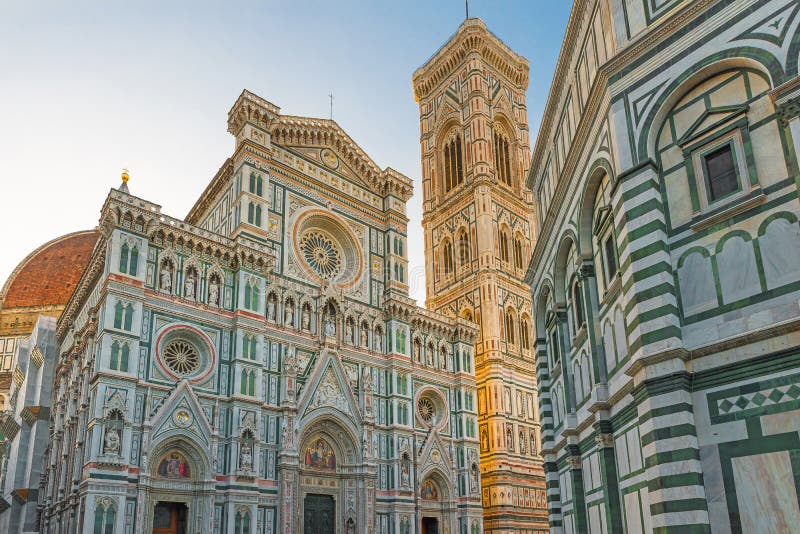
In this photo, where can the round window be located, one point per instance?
(181, 357)
(326, 248)
(426, 409)
(321, 253)
(184, 352)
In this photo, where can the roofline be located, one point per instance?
(21, 265)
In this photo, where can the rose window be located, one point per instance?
(322, 254)
(426, 409)
(181, 357)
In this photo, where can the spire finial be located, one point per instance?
(466, 5)
(125, 177)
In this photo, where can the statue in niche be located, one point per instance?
(364, 336)
(289, 313)
(188, 286)
(246, 457)
(351, 526)
(330, 326)
(112, 441)
(429, 356)
(213, 292)
(378, 341)
(166, 278)
(474, 471)
(271, 307)
(417, 351)
(306, 319)
(405, 471)
(350, 333)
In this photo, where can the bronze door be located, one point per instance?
(169, 518)
(319, 515)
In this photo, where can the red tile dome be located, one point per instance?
(48, 276)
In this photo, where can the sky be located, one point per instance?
(87, 88)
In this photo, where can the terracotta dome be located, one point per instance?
(48, 276)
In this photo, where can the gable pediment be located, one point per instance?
(181, 413)
(328, 389)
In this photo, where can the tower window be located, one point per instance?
(453, 167)
(502, 161)
(447, 260)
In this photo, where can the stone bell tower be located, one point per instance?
(478, 224)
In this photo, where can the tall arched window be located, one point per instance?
(242, 521)
(128, 260)
(524, 332)
(510, 327)
(504, 244)
(463, 248)
(105, 514)
(447, 257)
(453, 169)
(502, 159)
(518, 259)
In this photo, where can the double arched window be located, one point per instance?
(256, 184)
(510, 325)
(105, 515)
(505, 239)
(518, 254)
(120, 356)
(128, 259)
(242, 521)
(502, 159)
(123, 316)
(248, 382)
(463, 248)
(453, 167)
(254, 214)
(447, 257)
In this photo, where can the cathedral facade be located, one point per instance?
(259, 367)
(666, 275)
(478, 219)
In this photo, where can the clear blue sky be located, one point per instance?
(87, 88)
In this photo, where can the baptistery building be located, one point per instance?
(666, 276)
(258, 366)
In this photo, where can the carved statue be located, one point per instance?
(378, 341)
(213, 292)
(290, 313)
(188, 286)
(112, 441)
(330, 326)
(246, 457)
(364, 337)
(350, 333)
(166, 278)
(429, 356)
(404, 472)
(306, 319)
(418, 351)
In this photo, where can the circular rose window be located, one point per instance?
(426, 409)
(321, 253)
(326, 248)
(181, 357)
(184, 352)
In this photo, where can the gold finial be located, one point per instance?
(125, 176)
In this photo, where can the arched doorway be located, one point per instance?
(331, 479)
(175, 493)
(435, 508)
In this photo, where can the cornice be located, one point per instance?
(599, 95)
(212, 191)
(643, 43)
(471, 37)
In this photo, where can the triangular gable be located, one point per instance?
(328, 387)
(434, 453)
(321, 155)
(171, 417)
(711, 119)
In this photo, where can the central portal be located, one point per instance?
(169, 518)
(430, 525)
(319, 516)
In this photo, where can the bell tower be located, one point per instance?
(478, 225)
